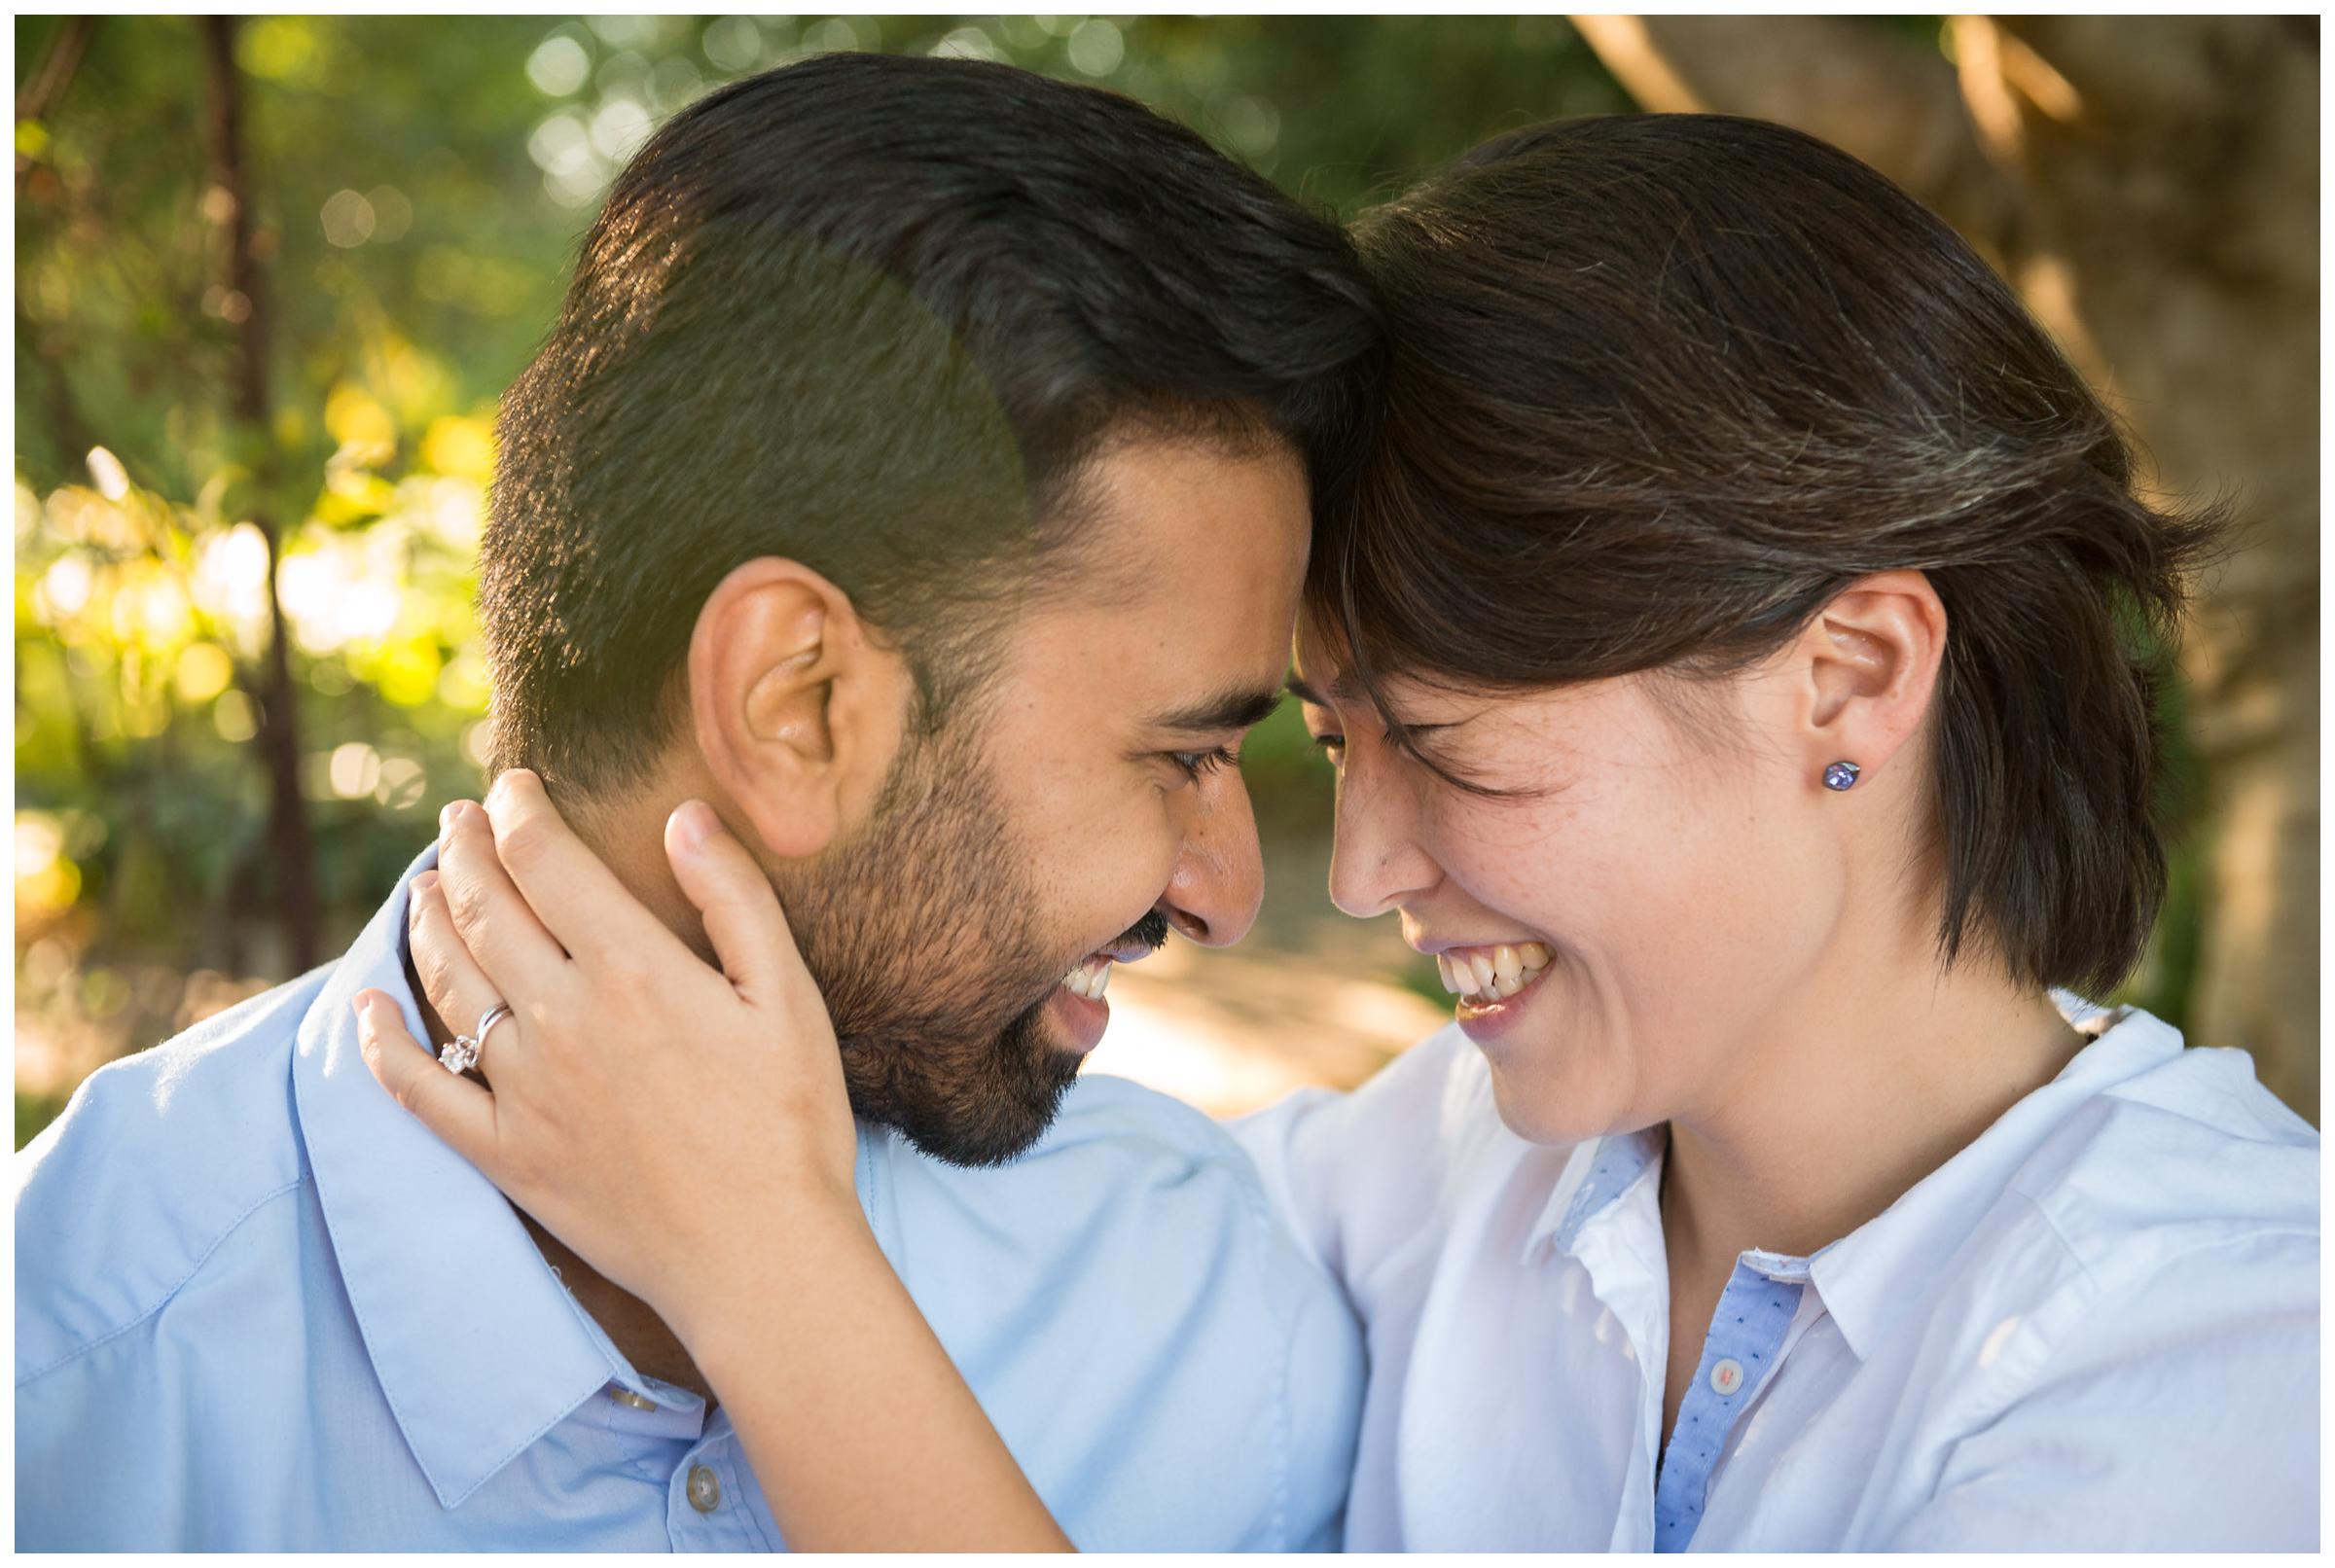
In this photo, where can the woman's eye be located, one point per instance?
(1331, 747)
(1199, 764)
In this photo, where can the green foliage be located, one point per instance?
(414, 189)
(416, 186)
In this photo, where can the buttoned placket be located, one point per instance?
(1613, 1232)
(710, 1502)
(1612, 1227)
(1745, 1345)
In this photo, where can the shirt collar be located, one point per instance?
(1869, 1276)
(1600, 1171)
(478, 1346)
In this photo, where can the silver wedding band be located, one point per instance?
(462, 1052)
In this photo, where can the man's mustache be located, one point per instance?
(1151, 930)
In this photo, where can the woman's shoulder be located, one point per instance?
(2187, 1151)
(1428, 1110)
(2169, 1207)
(2149, 1221)
(1369, 1177)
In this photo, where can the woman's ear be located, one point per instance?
(797, 711)
(1872, 657)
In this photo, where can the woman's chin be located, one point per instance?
(1539, 1109)
(1544, 1066)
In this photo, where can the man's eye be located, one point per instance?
(1331, 747)
(1198, 764)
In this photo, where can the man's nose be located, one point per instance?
(1219, 878)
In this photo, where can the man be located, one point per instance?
(918, 471)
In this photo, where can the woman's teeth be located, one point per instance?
(1491, 972)
(1089, 979)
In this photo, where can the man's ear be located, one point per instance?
(797, 708)
(1872, 658)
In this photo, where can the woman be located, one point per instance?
(1738, 663)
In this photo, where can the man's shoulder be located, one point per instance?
(1112, 1142)
(156, 1159)
(1125, 1287)
(1108, 1116)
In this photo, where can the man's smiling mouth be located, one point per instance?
(1091, 979)
(1093, 975)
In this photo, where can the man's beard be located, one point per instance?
(921, 933)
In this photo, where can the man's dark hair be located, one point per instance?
(1663, 386)
(874, 314)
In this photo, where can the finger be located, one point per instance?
(462, 1114)
(743, 918)
(457, 990)
(578, 898)
(497, 922)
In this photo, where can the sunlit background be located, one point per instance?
(271, 275)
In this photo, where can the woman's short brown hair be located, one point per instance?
(1664, 384)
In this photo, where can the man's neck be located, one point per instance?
(630, 840)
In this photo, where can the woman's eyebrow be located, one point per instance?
(1345, 688)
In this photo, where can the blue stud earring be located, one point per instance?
(1840, 775)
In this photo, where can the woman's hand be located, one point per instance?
(627, 1069)
(686, 1131)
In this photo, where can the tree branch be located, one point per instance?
(2184, 73)
(279, 730)
(38, 96)
(68, 430)
(1895, 106)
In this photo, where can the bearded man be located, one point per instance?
(919, 472)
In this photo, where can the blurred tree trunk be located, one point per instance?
(2151, 186)
(278, 699)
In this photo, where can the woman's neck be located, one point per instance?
(1870, 1079)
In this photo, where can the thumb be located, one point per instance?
(456, 1110)
(743, 919)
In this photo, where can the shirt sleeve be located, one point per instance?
(2183, 1415)
(1326, 1377)
(93, 1470)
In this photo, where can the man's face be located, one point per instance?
(1069, 815)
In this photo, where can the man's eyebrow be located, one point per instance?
(1238, 708)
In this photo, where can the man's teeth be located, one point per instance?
(1491, 972)
(1089, 979)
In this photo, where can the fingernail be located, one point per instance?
(695, 821)
(425, 881)
(451, 814)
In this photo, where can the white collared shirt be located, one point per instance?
(2094, 1327)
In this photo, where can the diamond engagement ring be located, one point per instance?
(461, 1054)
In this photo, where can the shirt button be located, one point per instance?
(705, 1489)
(1727, 1376)
(626, 1396)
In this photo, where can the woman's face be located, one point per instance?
(1669, 863)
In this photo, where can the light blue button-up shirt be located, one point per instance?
(261, 1307)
